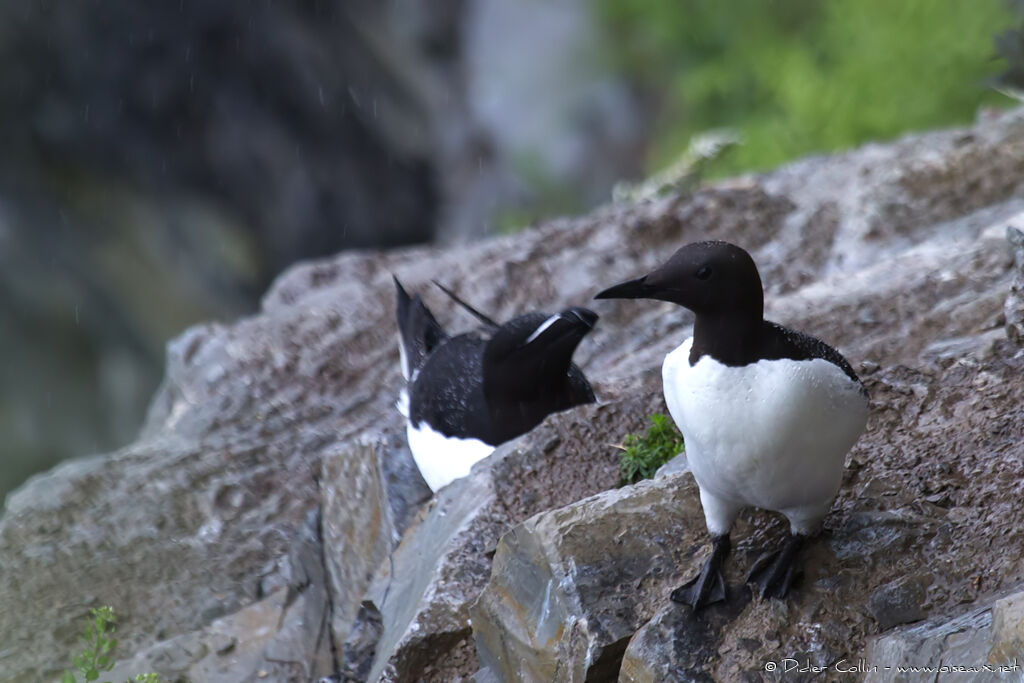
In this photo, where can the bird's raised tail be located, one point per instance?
(418, 332)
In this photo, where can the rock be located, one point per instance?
(569, 587)
(485, 676)
(424, 591)
(900, 601)
(195, 520)
(676, 645)
(880, 527)
(360, 647)
(361, 526)
(421, 600)
(1007, 630)
(284, 637)
(189, 657)
(1014, 306)
(301, 648)
(222, 643)
(674, 466)
(895, 253)
(960, 641)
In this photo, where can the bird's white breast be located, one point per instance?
(772, 434)
(442, 459)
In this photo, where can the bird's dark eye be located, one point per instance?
(704, 273)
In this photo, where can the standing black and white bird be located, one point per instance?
(467, 394)
(767, 413)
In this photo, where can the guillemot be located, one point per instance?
(767, 413)
(469, 393)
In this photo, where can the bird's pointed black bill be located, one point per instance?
(631, 289)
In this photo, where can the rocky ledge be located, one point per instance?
(269, 524)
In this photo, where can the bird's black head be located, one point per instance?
(709, 278)
(531, 353)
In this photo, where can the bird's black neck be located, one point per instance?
(731, 339)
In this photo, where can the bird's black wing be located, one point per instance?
(782, 342)
(448, 392)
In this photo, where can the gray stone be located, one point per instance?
(187, 657)
(675, 645)
(421, 600)
(195, 520)
(485, 676)
(424, 590)
(286, 635)
(1014, 306)
(570, 587)
(360, 526)
(359, 648)
(900, 601)
(1008, 631)
(301, 648)
(888, 252)
(674, 466)
(960, 641)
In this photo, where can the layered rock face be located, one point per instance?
(269, 523)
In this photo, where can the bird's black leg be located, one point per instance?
(708, 587)
(774, 573)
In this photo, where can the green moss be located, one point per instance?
(643, 454)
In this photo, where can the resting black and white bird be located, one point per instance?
(467, 394)
(767, 414)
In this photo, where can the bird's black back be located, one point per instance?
(781, 342)
(448, 394)
(773, 342)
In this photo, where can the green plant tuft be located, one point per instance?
(97, 655)
(643, 454)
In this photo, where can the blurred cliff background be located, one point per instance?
(162, 162)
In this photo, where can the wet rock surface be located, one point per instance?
(982, 644)
(1014, 307)
(897, 254)
(361, 526)
(425, 589)
(286, 636)
(900, 601)
(569, 587)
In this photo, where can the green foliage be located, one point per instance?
(1010, 47)
(97, 655)
(643, 455)
(801, 76)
